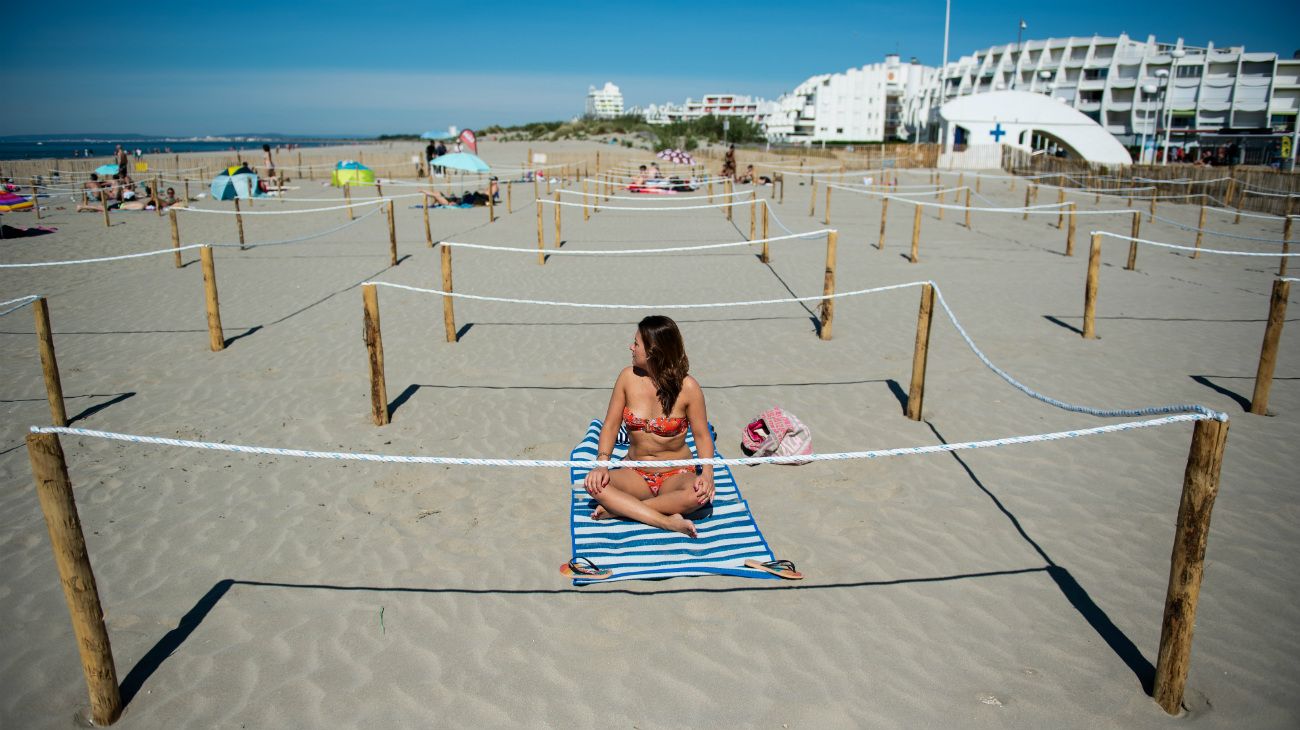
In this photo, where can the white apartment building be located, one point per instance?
(722, 105)
(859, 105)
(604, 103)
(1129, 87)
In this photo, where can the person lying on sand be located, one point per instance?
(657, 401)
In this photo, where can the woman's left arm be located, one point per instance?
(699, 420)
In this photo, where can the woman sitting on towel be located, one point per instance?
(657, 401)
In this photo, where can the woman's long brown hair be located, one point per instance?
(665, 354)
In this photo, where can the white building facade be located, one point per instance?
(1139, 91)
(721, 105)
(859, 105)
(605, 102)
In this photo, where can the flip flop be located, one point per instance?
(779, 568)
(584, 569)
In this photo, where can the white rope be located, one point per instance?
(286, 212)
(1040, 209)
(655, 197)
(608, 252)
(579, 463)
(584, 305)
(1218, 233)
(21, 302)
(1189, 248)
(1244, 214)
(1183, 181)
(102, 259)
(300, 239)
(639, 207)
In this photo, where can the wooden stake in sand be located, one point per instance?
(510, 198)
(884, 213)
(36, 201)
(916, 231)
(103, 204)
(392, 235)
(1268, 353)
(916, 393)
(216, 340)
(968, 208)
(176, 236)
(812, 196)
(753, 210)
(586, 203)
(157, 197)
(730, 198)
(428, 234)
(1069, 233)
(939, 198)
(49, 363)
(448, 312)
(557, 218)
(827, 219)
(541, 240)
(765, 258)
(781, 175)
(710, 191)
(1133, 245)
(1286, 244)
(239, 224)
(1152, 217)
(1090, 289)
(1200, 231)
(1060, 207)
(1187, 563)
(828, 286)
(187, 190)
(491, 206)
(58, 505)
(347, 197)
(1028, 190)
(375, 354)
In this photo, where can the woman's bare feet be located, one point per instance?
(601, 513)
(677, 523)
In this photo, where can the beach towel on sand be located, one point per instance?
(728, 534)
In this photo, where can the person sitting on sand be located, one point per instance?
(747, 177)
(657, 401)
(655, 174)
(170, 198)
(639, 180)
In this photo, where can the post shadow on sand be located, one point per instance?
(1078, 597)
(92, 410)
(1062, 323)
(1240, 399)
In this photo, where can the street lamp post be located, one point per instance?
(1015, 70)
(1176, 54)
(1162, 105)
(1150, 90)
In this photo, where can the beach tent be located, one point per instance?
(106, 170)
(351, 172)
(235, 182)
(10, 202)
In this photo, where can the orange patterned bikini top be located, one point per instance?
(657, 426)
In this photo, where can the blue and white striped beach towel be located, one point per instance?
(727, 536)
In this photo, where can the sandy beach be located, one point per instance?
(1009, 587)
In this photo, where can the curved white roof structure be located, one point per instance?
(1014, 117)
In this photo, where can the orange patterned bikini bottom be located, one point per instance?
(655, 479)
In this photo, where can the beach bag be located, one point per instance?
(776, 433)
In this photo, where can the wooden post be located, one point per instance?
(370, 332)
(827, 219)
(157, 198)
(1200, 231)
(379, 190)
(1286, 245)
(510, 198)
(49, 363)
(59, 506)
(541, 240)
(586, 203)
(239, 224)
(448, 311)
(710, 191)
(347, 196)
(1069, 232)
(392, 236)
(765, 258)
(187, 190)
(828, 286)
(428, 235)
(1060, 207)
(917, 392)
(557, 218)
(1090, 289)
(916, 231)
(1152, 217)
(782, 200)
(884, 213)
(730, 198)
(753, 210)
(1268, 353)
(536, 192)
(1028, 189)
(978, 178)
(968, 207)
(1187, 562)
(176, 236)
(1133, 245)
(216, 340)
(812, 196)
(939, 199)
(36, 201)
(491, 206)
(103, 203)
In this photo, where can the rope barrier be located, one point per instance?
(1218, 233)
(102, 259)
(24, 301)
(645, 198)
(1189, 248)
(1041, 209)
(636, 207)
(1242, 213)
(562, 252)
(568, 464)
(357, 204)
(301, 238)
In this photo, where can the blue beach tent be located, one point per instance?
(235, 182)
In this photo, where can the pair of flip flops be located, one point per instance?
(584, 569)
(779, 568)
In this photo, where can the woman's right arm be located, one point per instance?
(598, 478)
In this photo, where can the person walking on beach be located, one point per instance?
(656, 400)
(729, 163)
(268, 163)
(120, 159)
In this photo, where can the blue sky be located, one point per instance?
(372, 66)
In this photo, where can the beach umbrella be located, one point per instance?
(106, 170)
(461, 161)
(235, 182)
(351, 172)
(679, 156)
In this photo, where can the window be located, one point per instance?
(839, 130)
(1094, 74)
(1188, 72)
(1090, 96)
